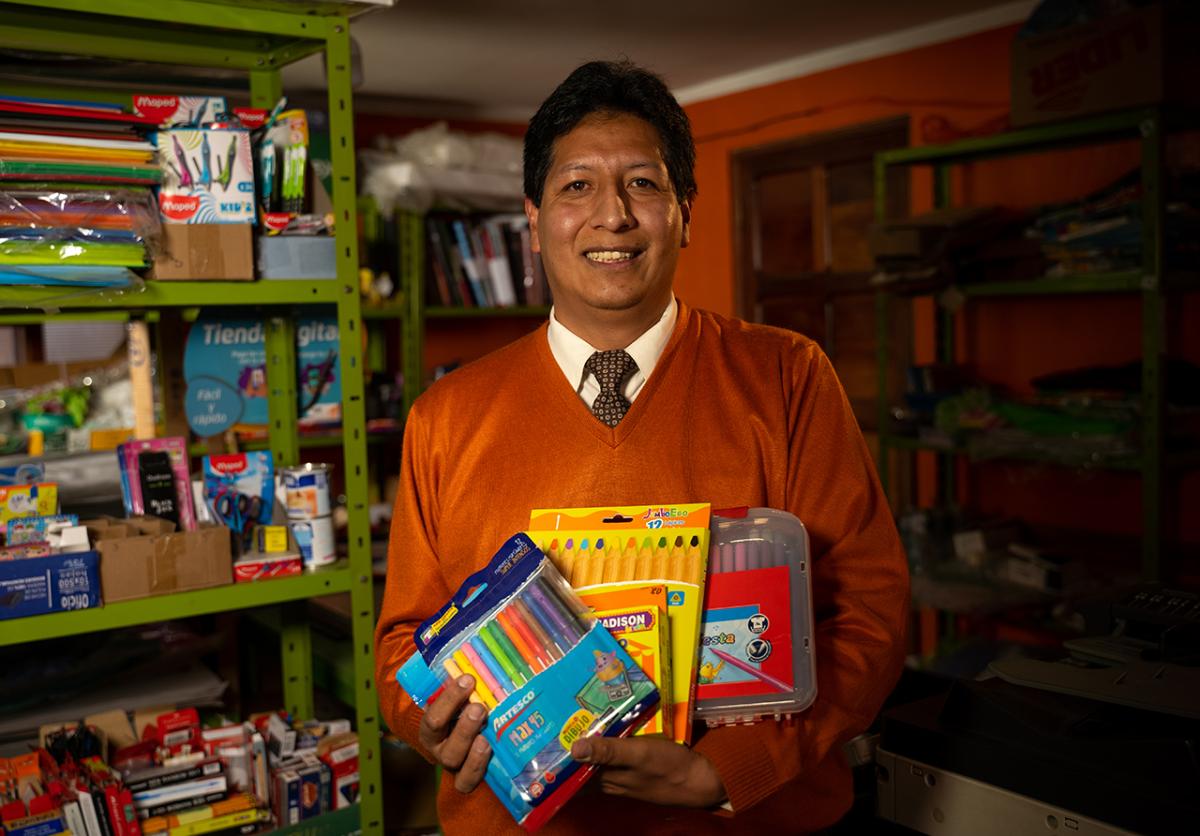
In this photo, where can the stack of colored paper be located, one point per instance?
(76, 205)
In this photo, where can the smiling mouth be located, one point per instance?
(611, 256)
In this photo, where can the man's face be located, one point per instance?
(610, 226)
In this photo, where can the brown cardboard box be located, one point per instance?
(145, 556)
(1142, 57)
(206, 251)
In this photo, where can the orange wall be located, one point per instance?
(963, 85)
(963, 81)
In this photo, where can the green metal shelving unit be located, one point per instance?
(1148, 126)
(257, 37)
(408, 305)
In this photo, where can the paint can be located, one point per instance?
(315, 539)
(306, 488)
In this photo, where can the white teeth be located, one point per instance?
(610, 256)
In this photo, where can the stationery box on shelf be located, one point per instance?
(1144, 56)
(297, 257)
(38, 585)
(145, 556)
(205, 251)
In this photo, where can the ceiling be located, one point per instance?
(489, 60)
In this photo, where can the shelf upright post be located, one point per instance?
(410, 229)
(280, 343)
(294, 636)
(947, 464)
(882, 339)
(354, 442)
(1153, 344)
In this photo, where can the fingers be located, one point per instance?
(455, 749)
(438, 720)
(607, 751)
(474, 766)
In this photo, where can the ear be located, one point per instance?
(531, 212)
(685, 215)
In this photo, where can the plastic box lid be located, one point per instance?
(757, 651)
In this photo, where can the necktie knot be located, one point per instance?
(610, 368)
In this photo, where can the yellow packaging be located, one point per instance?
(635, 617)
(40, 500)
(667, 544)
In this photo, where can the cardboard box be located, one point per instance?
(145, 556)
(38, 585)
(205, 251)
(1128, 60)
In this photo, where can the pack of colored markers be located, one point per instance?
(604, 549)
(547, 672)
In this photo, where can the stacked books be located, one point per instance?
(75, 199)
(482, 261)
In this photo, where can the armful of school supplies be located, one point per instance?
(757, 655)
(547, 672)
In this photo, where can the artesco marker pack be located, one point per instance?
(546, 671)
(756, 656)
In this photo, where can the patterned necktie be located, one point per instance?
(610, 368)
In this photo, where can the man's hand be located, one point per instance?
(652, 769)
(456, 743)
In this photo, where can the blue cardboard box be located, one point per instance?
(38, 585)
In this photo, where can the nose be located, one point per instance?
(612, 210)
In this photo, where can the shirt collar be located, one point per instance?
(572, 351)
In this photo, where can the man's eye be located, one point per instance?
(643, 183)
(575, 186)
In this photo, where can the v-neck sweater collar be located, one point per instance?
(565, 399)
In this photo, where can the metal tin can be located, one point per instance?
(315, 539)
(306, 489)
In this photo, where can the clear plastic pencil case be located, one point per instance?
(547, 672)
(756, 642)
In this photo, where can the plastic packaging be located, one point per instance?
(756, 656)
(59, 225)
(547, 672)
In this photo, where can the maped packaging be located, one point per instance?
(756, 657)
(546, 671)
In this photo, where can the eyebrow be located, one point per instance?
(587, 167)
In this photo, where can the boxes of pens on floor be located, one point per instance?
(629, 547)
(546, 672)
(145, 556)
(757, 659)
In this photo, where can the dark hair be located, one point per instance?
(613, 87)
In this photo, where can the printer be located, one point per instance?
(1104, 741)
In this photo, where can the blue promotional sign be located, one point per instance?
(212, 406)
(225, 367)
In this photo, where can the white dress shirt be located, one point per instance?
(572, 351)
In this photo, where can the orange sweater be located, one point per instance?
(733, 414)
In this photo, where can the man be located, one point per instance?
(629, 396)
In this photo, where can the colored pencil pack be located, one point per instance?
(757, 657)
(547, 672)
(637, 618)
(626, 546)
